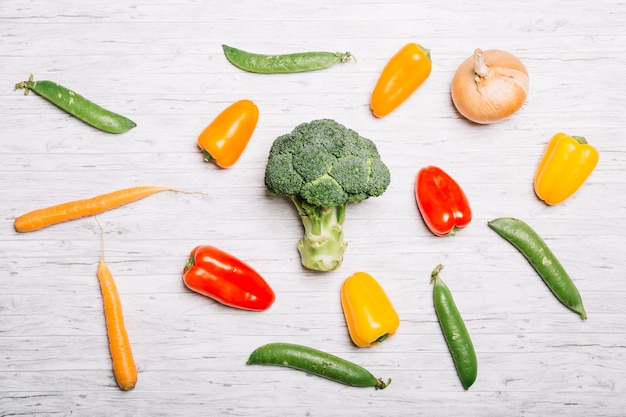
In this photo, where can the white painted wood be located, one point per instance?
(160, 63)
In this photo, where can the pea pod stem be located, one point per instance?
(454, 331)
(284, 63)
(77, 105)
(542, 259)
(315, 362)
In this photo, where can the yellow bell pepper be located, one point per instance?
(369, 314)
(566, 164)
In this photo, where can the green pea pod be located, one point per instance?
(454, 331)
(537, 252)
(315, 362)
(283, 64)
(78, 106)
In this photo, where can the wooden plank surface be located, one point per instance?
(161, 64)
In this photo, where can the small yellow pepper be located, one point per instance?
(225, 138)
(566, 164)
(369, 314)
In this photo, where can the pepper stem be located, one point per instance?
(381, 338)
(480, 68)
(207, 156)
(580, 139)
(190, 263)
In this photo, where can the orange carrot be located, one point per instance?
(77, 209)
(124, 367)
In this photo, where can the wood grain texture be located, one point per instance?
(160, 63)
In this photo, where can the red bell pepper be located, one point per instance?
(226, 279)
(441, 201)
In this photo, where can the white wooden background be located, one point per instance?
(160, 63)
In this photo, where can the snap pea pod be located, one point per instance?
(315, 362)
(78, 106)
(283, 64)
(454, 331)
(539, 255)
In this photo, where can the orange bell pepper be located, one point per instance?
(405, 72)
(369, 314)
(566, 164)
(224, 140)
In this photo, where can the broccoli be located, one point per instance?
(322, 166)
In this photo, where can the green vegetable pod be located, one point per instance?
(315, 362)
(542, 259)
(284, 63)
(454, 331)
(78, 106)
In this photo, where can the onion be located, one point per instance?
(489, 86)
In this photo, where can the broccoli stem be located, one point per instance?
(322, 246)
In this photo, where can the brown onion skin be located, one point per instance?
(496, 94)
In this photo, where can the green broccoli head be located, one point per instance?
(326, 164)
(322, 166)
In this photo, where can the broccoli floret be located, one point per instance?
(322, 166)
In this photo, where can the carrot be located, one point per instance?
(124, 367)
(38, 219)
